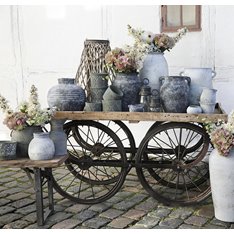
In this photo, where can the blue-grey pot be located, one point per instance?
(130, 84)
(66, 96)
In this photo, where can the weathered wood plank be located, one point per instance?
(26, 162)
(142, 116)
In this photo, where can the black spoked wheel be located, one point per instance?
(97, 163)
(171, 166)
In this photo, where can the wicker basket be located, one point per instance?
(92, 60)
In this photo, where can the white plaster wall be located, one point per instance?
(38, 45)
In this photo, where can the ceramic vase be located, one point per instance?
(130, 84)
(222, 185)
(66, 96)
(23, 139)
(208, 95)
(93, 106)
(200, 77)
(174, 93)
(154, 66)
(58, 136)
(98, 80)
(41, 147)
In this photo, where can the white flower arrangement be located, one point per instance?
(151, 42)
(29, 112)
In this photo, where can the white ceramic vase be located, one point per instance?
(41, 147)
(154, 66)
(208, 95)
(222, 185)
(200, 77)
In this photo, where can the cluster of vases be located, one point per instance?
(32, 142)
(122, 92)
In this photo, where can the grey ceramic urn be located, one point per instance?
(66, 96)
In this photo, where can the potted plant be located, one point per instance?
(153, 45)
(27, 119)
(221, 164)
(125, 64)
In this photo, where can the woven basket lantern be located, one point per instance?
(92, 60)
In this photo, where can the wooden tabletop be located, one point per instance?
(143, 116)
(28, 163)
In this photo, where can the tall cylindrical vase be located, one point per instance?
(59, 137)
(23, 139)
(222, 185)
(154, 66)
(130, 84)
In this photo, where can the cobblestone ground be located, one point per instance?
(131, 208)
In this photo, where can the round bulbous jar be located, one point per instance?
(66, 96)
(130, 85)
(194, 109)
(174, 93)
(41, 147)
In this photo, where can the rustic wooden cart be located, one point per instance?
(171, 160)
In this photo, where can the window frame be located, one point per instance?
(165, 28)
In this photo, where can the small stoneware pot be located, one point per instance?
(194, 109)
(97, 94)
(41, 147)
(112, 105)
(93, 106)
(207, 108)
(136, 108)
(112, 93)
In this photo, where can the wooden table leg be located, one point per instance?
(50, 189)
(39, 196)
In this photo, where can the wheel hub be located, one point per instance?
(85, 162)
(97, 149)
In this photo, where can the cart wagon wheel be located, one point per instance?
(170, 165)
(96, 167)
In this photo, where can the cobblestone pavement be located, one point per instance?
(131, 208)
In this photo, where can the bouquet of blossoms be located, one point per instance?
(151, 42)
(121, 60)
(28, 113)
(221, 135)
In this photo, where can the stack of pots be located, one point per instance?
(112, 99)
(98, 86)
